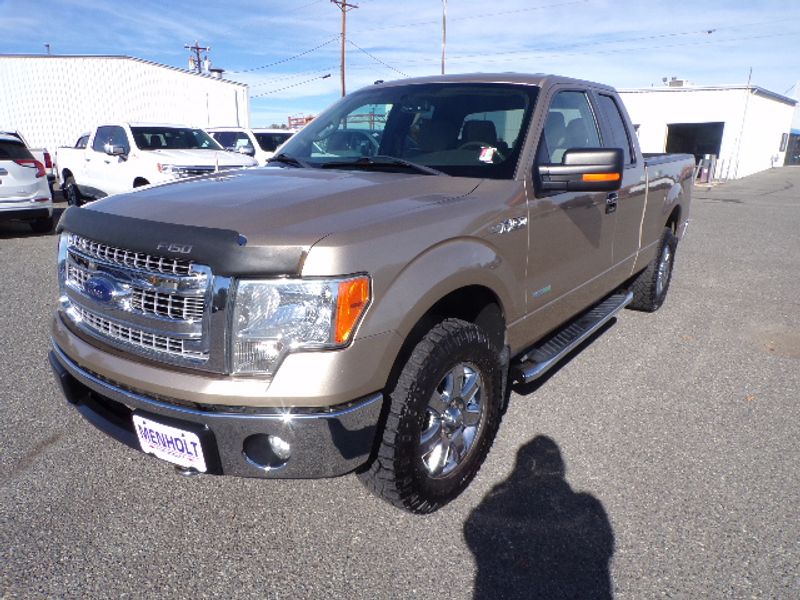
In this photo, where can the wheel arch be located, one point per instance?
(140, 181)
(674, 219)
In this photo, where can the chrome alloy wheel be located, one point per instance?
(664, 267)
(454, 418)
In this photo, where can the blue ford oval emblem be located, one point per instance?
(100, 288)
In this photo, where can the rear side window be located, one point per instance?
(13, 151)
(617, 132)
(82, 141)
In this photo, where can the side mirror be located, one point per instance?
(249, 150)
(584, 170)
(114, 150)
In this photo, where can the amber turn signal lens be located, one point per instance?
(601, 176)
(353, 299)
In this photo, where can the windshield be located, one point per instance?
(173, 138)
(269, 142)
(468, 130)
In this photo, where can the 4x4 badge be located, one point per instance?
(509, 225)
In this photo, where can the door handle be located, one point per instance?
(611, 203)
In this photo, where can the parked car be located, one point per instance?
(368, 313)
(24, 193)
(40, 154)
(116, 158)
(259, 143)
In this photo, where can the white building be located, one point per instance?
(745, 127)
(53, 99)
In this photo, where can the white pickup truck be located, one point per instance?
(116, 158)
(260, 143)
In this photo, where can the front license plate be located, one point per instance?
(175, 445)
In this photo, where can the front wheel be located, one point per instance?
(651, 285)
(71, 192)
(444, 414)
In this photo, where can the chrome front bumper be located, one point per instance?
(324, 442)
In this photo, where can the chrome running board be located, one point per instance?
(543, 356)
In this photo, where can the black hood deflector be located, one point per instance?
(224, 250)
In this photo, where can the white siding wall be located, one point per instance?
(52, 99)
(765, 120)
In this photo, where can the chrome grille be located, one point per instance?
(129, 258)
(143, 303)
(171, 306)
(147, 301)
(135, 337)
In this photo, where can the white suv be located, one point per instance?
(260, 143)
(24, 193)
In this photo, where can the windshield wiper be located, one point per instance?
(290, 161)
(381, 161)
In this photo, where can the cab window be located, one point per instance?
(617, 132)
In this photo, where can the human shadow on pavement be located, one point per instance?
(535, 538)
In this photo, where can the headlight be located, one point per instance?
(273, 318)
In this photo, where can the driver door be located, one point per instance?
(571, 234)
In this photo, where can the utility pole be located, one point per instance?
(344, 6)
(194, 61)
(444, 31)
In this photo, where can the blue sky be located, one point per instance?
(283, 49)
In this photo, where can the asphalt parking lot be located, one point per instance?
(660, 461)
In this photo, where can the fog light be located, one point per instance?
(280, 447)
(266, 452)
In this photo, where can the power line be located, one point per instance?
(297, 75)
(283, 60)
(620, 50)
(376, 59)
(593, 44)
(326, 76)
(475, 16)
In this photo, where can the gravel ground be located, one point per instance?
(660, 461)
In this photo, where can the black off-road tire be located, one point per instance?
(71, 192)
(44, 225)
(398, 474)
(651, 285)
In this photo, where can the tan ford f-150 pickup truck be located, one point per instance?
(364, 303)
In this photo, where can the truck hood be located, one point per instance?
(276, 205)
(278, 211)
(191, 158)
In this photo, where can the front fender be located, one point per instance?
(400, 302)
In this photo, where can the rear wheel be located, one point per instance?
(444, 414)
(71, 192)
(44, 225)
(651, 285)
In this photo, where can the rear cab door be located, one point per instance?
(629, 201)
